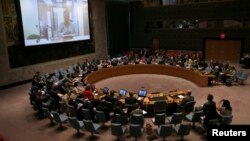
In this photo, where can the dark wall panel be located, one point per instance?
(117, 15)
(188, 39)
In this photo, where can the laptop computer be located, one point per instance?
(122, 93)
(142, 93)
(105, 90)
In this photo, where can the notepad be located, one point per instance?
(60, 95)
(180, 96)
(140, 98)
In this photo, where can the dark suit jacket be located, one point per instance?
(186, 99)
(131, 100)
(209, 109)
(111, 99)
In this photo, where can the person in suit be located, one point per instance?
(209, 109)
(136, 110)
(118, 110)
(105, 109)
(88, 105)
(187, 98)
(77, 106)
(131, 100)
(111, 98)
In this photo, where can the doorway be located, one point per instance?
(223, 50)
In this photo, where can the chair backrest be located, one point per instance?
(100, 116)
(122, 119)
(86, 114)
(109, 106)
(116, 129)
(239, 73)
(160, 106)
(135, 130)
(197, 116)
(213, 122)
(88, 124)
(129, 108)
(63, 107)
(165, 130)
(74, 123)
(226, 119)
(189, 106)
(56, 116)
(245, 75)
(160, 118)
(184, 129)
(72, 111)
(138, 119)
(177, 118)
(47, 113)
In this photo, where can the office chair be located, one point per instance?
(135, 130)
(226, 120)
(160, 107)
(165, 131)
(176, 118)
(182, 129)
(76, 124)
(90, 126)
(159, 119)
(59, 118)
(117, 130)
(48, 115)
(195, 117)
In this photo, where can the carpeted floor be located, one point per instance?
(19, 123)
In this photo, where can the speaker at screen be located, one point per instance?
(54, 21)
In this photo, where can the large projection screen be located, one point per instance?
(54, 21)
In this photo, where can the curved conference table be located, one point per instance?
(188, 74)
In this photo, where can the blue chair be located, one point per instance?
(165, 131)
(117, 130)
(210, 122)
(160, 106)
(135, 130)
(195, 117)
(122, 119)
(63, 107)
(59, 118)
(183, 129)
(187, 107)
(159, 119)
(90, 126)
(72, 111)
(243, 77)
(76, 124)
(176, 118)
(48, 115)
(86, 114)
(138, 119)
(100, 117)
(226, 119)
(239, 73)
